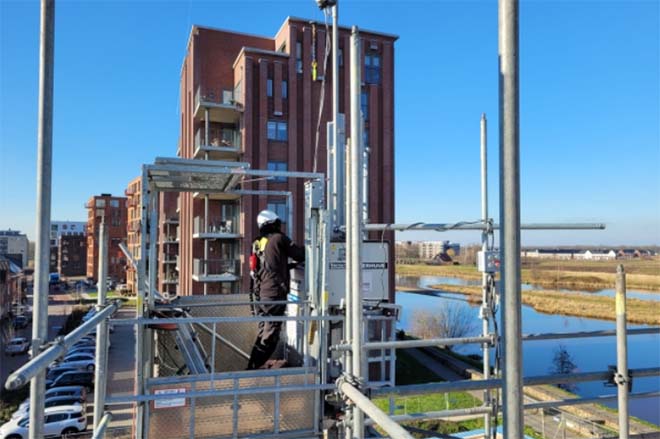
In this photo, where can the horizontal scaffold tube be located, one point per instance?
(246, 319)
(591, 400)
(384, 421)
(444, 414)
(405, 344)
(26, 372)
(605, 333)
(467, 385)
(479, 225)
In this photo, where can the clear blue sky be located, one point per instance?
(590, 78)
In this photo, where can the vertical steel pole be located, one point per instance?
(348, 300)
(101, 360)
(205, 263)
(44, 178)
(622, 352)
(338, 218)
(485, 300)
(510, 217)
(356, 226)
(143, 293)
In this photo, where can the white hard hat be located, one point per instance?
(266, 217)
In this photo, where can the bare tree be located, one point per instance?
(562, 363)
(449, 320)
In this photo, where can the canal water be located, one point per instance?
(593, 354)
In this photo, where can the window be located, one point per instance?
(269, 88)
(285, 90)
(53, 227)
(100, 203)
(277, 130)
(372, 68)
(364, 104)
(278, 166)
(65, 227)
(56, 418)
(279, 207)
(340, 55)
(114, 203)
(299, 63)
(365, 137)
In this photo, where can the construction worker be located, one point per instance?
(269, 269)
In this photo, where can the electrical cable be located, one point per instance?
(322, 97)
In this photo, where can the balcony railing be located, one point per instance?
(215, 226)
(221, 138)
(170, 279)
(215, 96)
(216, 267)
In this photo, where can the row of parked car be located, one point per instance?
(69, 380)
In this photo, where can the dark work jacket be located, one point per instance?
(273, 281)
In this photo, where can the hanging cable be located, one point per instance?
(326, 55)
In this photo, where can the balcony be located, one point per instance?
(220, 103)
(170, 279)
(223, 144)
(172, 220)
(170, 238)
(217, 229)
(216, 270)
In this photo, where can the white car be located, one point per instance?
(59, 421)
(76, 391)
(17, 346)
(53, 401)
(79, 361)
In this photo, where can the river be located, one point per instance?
(593, 354)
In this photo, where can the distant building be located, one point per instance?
(14, 243)
(113, 211)
(134, 215)
(597, 256)
(10, 284)
(59, 228)
(431, 249)
(569, 253)
(72, 255)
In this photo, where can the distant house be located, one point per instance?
(631, 253)
(551, 253)
(598, 256)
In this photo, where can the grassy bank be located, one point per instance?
(581, 304)
(586, 275)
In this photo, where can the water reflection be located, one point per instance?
(589, 354)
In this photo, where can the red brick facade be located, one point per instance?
(113, 210)
(271, 79)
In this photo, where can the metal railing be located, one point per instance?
(228, 225)
(219, 137)
(214, 95)
(211, 267)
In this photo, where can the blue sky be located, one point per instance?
(590, 117)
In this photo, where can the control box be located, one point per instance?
(375, 269)
(488, 261)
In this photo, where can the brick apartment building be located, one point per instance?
(134, 214)
(72, 255)
(57, 230)
(260, 98)
(113, 211)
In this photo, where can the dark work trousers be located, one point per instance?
(268, 335)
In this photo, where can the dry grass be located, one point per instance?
(584, 275)
(581, 304)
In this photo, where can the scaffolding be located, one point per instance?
(190, 352)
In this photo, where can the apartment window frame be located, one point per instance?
(277, 130)
(364, 104)
(278, 165)
(114, 203)
(285, 89)
(269, 87)
(372, 68)
(299, 62)
(280, 208)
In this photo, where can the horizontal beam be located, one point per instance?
(494, 383)
(245, 319)
(444, 414)
(444, 227)
(30, 369)
(405, 344)
(225, 376)
(592, 400)
(587, 334)
(128, 399)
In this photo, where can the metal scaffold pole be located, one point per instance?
(355, 243)
(510, 217)
(485, 301)
(44, 178)
(101, 363)
(622, 379)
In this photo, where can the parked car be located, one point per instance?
(73, 378)
(56, 371)
(74, 391)
(17, 346)
(20, 322)
(79, 360)
(82, 350)
(59, 421)
(53, 401)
